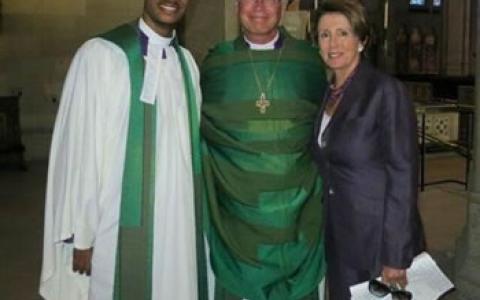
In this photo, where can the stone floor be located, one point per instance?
(443, 209)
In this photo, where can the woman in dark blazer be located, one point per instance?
(366, 148)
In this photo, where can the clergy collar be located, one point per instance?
(153, 49)
(267, 46)
(241, 44)
(153, 37)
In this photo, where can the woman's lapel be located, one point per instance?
(353, 92)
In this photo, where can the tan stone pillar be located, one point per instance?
(456, 31)
(205, 26)
(208, 22)
(467, 258)
(232, 27)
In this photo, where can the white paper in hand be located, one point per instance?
(425, 281)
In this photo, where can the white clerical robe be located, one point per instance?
(85, 175)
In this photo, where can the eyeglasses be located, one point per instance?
(380, 289)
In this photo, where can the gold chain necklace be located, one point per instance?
(263, 103)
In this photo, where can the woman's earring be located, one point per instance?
(360, 48)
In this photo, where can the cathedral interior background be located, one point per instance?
(430, 45)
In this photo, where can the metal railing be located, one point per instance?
(462, 148)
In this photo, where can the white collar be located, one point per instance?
(157, 45)
(267, 46)
(153, 37)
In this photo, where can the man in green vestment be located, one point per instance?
(264, 196)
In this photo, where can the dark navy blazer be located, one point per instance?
(368, 158)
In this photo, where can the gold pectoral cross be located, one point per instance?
(262, 104)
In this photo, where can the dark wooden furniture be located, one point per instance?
(11, 147)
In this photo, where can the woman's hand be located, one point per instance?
(394, 277)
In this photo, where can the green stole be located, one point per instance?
(263, 189)
(133, 270)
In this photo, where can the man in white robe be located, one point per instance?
(86, 169)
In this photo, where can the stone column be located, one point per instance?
(232, 26)
(467, 258)
(456, 31)
(204, 26)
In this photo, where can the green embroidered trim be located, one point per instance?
(133, 277)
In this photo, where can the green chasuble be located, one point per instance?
(264, 193)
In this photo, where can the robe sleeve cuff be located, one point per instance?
(84, 239)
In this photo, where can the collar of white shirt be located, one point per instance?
(153, 37)
(159, 54)
(267, 46)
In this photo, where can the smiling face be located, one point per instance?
(340, 47)
(163, 15)
(259, 19)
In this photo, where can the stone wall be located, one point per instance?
(38, 39)
(205, 25)
(37, 42)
